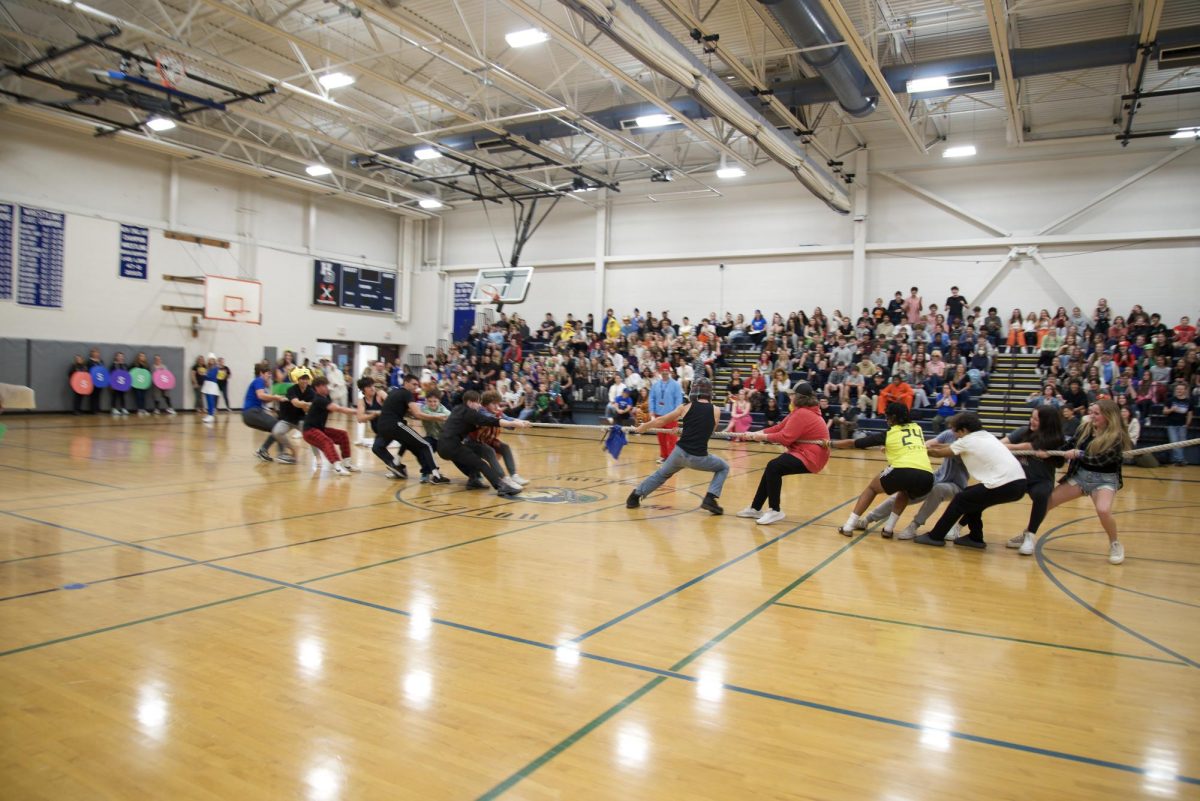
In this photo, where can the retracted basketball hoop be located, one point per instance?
(171, 69)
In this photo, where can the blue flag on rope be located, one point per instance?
(614, 441)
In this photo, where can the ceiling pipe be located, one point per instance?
(807, 24)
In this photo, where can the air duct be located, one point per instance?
(808, 26)
(641, 35)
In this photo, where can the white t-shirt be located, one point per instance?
(988, 462)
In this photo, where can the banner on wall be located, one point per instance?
(464, 313)
(6, 251)
(135, 251)
(40, 258)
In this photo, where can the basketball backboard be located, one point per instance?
(236, 300)
(510, 283)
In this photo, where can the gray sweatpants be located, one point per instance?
(678, 460)
(937, 496)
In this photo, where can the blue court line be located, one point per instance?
(659, 674)
(675, 591)
(984, 635)
(1041, 562)
(61, 478)
(1129, 590)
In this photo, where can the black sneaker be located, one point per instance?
(710, 504)
(507, 490)
(633, 501)
(475, 483)
(261, 454)
(967, 542)
(438, 479)
(925, 539)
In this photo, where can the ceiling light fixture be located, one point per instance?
(958, 152)
(526, 38)
(1186, 133)
(935, 84)
(160, 124)
(426, 153)
(654, 120)
(317, 170)
(430, 203)
(335, 80)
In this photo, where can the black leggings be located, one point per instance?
(968, 505)
(770, 484)
(410, 440)
(1039, 493)
(468, 457)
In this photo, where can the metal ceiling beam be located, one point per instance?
(862, 52)
(997, 17)
(564, 38)
(943, 203)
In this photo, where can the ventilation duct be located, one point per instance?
(808, 26)
(642, 36)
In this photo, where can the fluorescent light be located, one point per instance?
(430, 203)
(935, 84)
(653, 120)
(160, 124)
(317, 170)
(335, 80)
(731, 172)
(426, 153)
(1186, 133)
(958, 152)
(525, 38)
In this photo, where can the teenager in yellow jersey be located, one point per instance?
(908, 474)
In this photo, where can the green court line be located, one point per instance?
(625, 702)
(129, 623)
(981, 634)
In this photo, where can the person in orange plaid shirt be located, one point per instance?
(490, 436)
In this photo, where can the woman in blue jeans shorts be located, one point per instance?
(1179, 417)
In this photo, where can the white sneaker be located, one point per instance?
(518, 480)
(170, 411)
(954, 533)
(346, 464)
(340, 470)
(1116, 553)
(771, 516)
(116, 413)
(908, 532)
(1027, 544)
(208, 418)
(749, 511)
(124, 412)
(1017, 541)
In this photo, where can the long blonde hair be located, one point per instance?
(1114, 434)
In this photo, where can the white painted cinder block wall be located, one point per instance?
(666, 255)
(102, 183)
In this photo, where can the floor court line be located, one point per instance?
(692, 582)
(1041, 562)
(1094, 580)
(660, 674)
(61, 478)
(984, 635)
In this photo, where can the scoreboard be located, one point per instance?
(347, 286)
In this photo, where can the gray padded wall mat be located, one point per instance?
(14, 362)
(50, 361)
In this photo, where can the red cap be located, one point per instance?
(664, 368)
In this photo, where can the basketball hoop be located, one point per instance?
(170, 68)
(490, 290)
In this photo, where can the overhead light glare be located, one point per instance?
(1186, 133)
(958, 152)
(317, 170)
(430, 203)
(426, 153)
(654, 120)
(335, 80)
(731, 172)
(160, 124)
(526, 38)
(935, 84)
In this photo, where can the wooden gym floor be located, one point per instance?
(180, 621)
